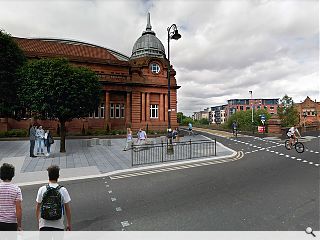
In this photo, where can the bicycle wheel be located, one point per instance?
(287, 144)
(299, 147)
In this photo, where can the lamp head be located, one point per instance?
(176, 35)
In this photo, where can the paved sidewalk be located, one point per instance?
(80, 159)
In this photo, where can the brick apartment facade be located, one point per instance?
(135, 89)
(309, 112)
(235, 105)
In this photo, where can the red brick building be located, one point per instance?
(235, 105)
(135, 88)
(309, 112)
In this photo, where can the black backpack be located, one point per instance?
(51, 205)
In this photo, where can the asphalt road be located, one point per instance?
(269, 189)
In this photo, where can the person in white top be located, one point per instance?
(54, 225)
(10, 200)
(40, 140)
(291, 134)
(142, 136)
(129, 139)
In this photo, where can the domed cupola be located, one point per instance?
(148, 44)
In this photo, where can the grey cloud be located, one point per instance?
(227, 47)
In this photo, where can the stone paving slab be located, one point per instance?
(78, 159)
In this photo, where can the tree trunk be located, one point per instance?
(62, 136)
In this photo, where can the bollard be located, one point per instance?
(108, 142)
(89, 143)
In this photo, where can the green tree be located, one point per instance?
(11, 59)
(54, 89)
(204, 121)
(244, 119)
(287, 113)
(186, 121)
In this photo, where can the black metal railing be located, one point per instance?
(166, 152)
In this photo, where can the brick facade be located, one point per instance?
(130, 87)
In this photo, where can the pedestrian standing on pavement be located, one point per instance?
(32, 137)
(10, 200)
(48, 140)
(53, 200)
(129, 139)
(142, 136)
(40, 140)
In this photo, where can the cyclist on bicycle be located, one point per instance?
(234, 127)
(190, 129)
(291, 134)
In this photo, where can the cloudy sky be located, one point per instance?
(227, 47)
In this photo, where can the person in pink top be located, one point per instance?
(10, 200)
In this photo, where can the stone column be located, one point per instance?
(143, 106)
(148, 107)
(161, 108)
(128, 109)
(107, 109)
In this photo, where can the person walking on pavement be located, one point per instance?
(234, 128)
(190, 129)
(48, 140)
(10, 201)
(32, 137)
(53, 200)
(142, 136)
(40, 140)
(129, 139)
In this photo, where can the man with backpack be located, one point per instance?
(52, 202)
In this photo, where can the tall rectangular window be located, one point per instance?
(122, 111)
(111, 110)
(117, 111)
(153, 111)
(101, 110)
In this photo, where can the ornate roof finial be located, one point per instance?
(149, 27)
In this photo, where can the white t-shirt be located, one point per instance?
(291, 131)
(65, 199)
(142, 135)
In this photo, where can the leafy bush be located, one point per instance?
(14, 133)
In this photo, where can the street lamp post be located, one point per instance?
(304, 120)
(251, 111)
(172, 34)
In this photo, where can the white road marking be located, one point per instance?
(317, 164)
(316, 152)
(299, 159)
(110, 191)
(293, 157)
(113, 199)
(304, 161)
(134, 174)
(107, 185)
(287, 156)
(310, 162)
(118, 209)
(281, 154)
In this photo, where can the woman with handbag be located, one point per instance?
(48, 140)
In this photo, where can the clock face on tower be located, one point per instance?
(155, 68)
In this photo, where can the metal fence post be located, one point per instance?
(215, 147)
(132, 154)
(190, 149)
(161, 151)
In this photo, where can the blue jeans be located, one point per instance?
(40, 145)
